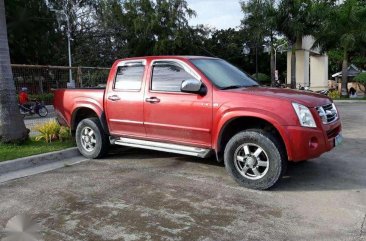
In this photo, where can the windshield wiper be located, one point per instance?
(232, 87)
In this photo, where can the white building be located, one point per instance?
(311, 66)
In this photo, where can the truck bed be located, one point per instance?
(66, 101)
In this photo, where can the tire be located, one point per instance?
(255, 159)
(42, 111)
(91, 140)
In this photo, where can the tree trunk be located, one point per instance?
(273, 67)
(256, 62)
(12, 128)
(344, 86)
(293, 67)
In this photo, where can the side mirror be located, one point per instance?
(193, 86)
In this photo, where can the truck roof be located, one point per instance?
(169, 57)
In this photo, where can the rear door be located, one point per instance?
(124, 100)
(173, 116)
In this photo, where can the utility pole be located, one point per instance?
(67, 19)
(275, 59)
(71, 80)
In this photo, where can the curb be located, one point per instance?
(37, 160)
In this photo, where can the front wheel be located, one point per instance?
(255, 159)
(90, 139)
(42, 111)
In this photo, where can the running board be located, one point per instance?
(159, 146)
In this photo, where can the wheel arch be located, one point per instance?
(233, 125)
(81, 113)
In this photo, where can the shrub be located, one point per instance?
(262, 78)
(51, 131)
(47, 97)
(333, 94)
(64, 133)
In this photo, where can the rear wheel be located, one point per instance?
(255, 159)
(90, 138)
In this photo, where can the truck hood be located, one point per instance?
(309, 99)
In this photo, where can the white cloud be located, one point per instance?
(221, 14)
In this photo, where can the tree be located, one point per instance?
(32, 33)
(298, 18)
(345, 30)
(261, 21)
(12, 128)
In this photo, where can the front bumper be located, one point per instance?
(308, 143)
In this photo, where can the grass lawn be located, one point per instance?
(31, 147)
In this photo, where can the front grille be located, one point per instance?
(328, 113)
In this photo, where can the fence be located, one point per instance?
(40, 79)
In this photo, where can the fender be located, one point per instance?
(88, 103)
(277, 121)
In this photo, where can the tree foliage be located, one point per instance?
(32, 33)
(105, 30)
(344, 30)
(260, 19)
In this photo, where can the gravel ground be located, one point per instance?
(144, 195)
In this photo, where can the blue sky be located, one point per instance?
(221, 14)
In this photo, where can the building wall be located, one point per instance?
(319, 72)
(302, 67)
(311, 71)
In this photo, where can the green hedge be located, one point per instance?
(47, 98)
(262, 78)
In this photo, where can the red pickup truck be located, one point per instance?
(201, 106)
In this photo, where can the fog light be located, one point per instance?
(313, 144)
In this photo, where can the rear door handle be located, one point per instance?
(113, 97)
(152, 100)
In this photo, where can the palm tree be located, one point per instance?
(297, 18)
(344, 29)
(261, 21)
(12, 128)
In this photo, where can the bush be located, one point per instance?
(64, 133)
(47, 97)
(51, 131)
(333, 94)
(262, 78)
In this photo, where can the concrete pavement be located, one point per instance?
(144, 195)
(32, 121)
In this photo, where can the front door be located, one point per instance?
(173, 116)
(124, 100)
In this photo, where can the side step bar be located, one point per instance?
(159, 146)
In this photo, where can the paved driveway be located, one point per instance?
(144, 195)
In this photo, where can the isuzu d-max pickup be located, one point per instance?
(201, 106)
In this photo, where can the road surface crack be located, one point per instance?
(362, 227)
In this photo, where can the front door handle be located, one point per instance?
(152, 100)
(113, 97)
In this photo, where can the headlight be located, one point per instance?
(305, 117)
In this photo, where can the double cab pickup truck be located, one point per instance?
(201, 106)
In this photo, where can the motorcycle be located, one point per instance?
(306, 88)
(35, 107)
(323, 92)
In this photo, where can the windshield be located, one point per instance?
(222, 74)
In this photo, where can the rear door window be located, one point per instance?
(129, 77)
